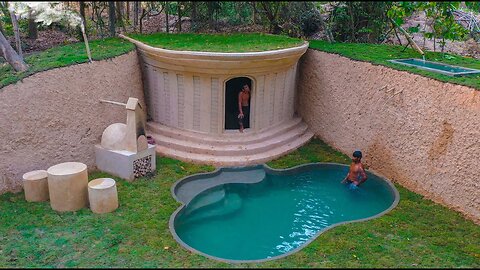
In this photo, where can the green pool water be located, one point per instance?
(277, 215)
(436, 67)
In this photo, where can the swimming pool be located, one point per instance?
(445, 69)
(254, 214)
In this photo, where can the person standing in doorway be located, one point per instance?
(244, 107)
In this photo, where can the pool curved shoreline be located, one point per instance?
(184, 200)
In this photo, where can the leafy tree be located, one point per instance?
(360, 21)
(443, 24)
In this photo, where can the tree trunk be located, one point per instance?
(119, 19)
(179, 22)
(128, 10)
(136, 10)
(193, 16)
(140, 20)
(210, 14)
(82, 13)
(17, 34)
(100, 24)
(254, 13)
(271, 13)
(166, 17)
(1, 28)
(32, 27)
(10, 55)
(443, 44)
(352, 21)
(325, 28)
(111, 17)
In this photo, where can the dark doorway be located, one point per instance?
(232, 88)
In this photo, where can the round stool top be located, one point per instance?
(67, 168)
(101, 183)
(35, 175)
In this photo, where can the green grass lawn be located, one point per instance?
(380, 53)
(417, 233)
(65, 55)
(239, 42)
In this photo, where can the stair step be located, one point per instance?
(243, 160)
(246, 148)
(228, 138)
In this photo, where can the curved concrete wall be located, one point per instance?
(55, 116)
(419, 132)
(186, 89)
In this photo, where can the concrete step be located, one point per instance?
(240, 160)
(248, 147)
(233, 137)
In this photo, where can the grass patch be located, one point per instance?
(239, 42)
(380, 53)
(66, 55)
(417, 233)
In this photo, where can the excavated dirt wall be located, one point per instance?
(419, 132)
(55, 116)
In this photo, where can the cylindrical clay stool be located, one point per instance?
(67, 184)
(102, 194)
(35, 185)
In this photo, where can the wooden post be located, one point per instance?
(85, 39)
(409, 38)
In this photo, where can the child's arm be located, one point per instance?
(346, 177)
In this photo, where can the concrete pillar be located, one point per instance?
(35, 185)
(102, 194)
(67, 184)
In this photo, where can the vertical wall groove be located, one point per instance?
(259, 107)
(181, 101)
(196, 102)
(154, 95)
(166, 90)
(161, 97)
(214, 106)
(148, 90)
(281, 113)
(290, 87)
(272, 99)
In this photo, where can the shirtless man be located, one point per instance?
(356, 174)
(243, 106)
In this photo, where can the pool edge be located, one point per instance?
(270, 169)
(471, 71)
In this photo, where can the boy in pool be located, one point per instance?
(356, 174)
